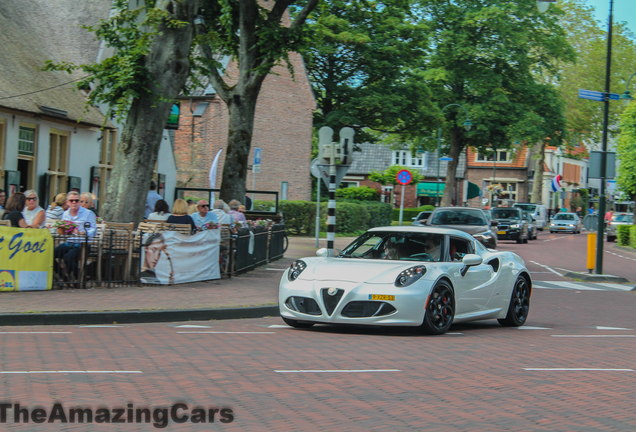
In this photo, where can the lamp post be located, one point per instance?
(467, 125)
(626, 97)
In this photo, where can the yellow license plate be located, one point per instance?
(562, 228)
(501, 232)
(381, 297)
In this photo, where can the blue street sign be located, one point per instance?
(257, 155)
(591, 95)
(597, 96)
(446, 159)
(403, 177)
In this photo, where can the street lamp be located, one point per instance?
(543, 5)
(626, 97)
(467, 125)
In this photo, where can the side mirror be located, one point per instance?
(494, 223)
(322, 252)
(413, 218)
(470, 260)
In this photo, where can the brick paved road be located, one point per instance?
(475, 378)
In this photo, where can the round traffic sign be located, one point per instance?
(404, 177)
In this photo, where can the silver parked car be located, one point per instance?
(566, 222)
(618, 219)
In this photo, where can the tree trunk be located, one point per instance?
(168, 64)
(241, 108)
(537, 186)
(451, 172)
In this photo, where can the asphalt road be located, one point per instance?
(571, 368)
(550, 256)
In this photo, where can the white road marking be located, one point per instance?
(276, 269)
(533, 328)
(547, 268)
(611, 328)
(221, 332)
(576, 286)
(579, 369)
(193, 326)
(593, 336)
(616, 286)
(67, 372)
(337, 371)
(26, 332)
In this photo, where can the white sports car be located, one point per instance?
(407, 276)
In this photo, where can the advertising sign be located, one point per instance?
(26, 259)
(169, 257)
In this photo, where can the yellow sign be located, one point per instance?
(26, 259)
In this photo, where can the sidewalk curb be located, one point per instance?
(128, 317)
(595, 278)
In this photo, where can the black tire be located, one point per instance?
(610, 239)
(519, 240)
(440, 310)
(519, 304)
(297, 324)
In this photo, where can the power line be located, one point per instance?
(46, 89)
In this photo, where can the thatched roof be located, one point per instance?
(34, 31)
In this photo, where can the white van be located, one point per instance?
(537, 211)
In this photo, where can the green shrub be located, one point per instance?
(426, 208)
(622, 234)
(380, 214)
(632, 236)
(300, 216)
(350, 217)
(362, 193)
(407, 215)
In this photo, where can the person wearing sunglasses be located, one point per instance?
(86, 227)
(204, 215)
(34, 215)
(86, 201)
(13, 210)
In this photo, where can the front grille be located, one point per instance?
(502, 227)
(362, 309)
(304, 305)
(331, 301)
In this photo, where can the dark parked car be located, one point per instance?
(467, 219)
(532, 226)
(512, 225)
(420, 219)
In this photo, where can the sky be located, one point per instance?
(624, 10)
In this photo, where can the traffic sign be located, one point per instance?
(404, 177)
(597, 96)
(446, 159)
(257, 155)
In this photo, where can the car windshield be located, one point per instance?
(505, 213)
(623, 218)
(458, 217)
(564, 217)
(402, 246)
(530, 208)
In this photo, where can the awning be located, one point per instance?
(429, 189)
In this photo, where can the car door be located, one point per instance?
(474, 289)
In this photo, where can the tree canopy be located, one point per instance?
(626, 177)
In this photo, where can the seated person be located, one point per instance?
(433, 248)
(391, 251)
(179, 214)
(161, 213)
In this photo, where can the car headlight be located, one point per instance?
(409, 276)
(486, 235)
(571, 225)
(514, 226)
(552, 224)
(295, 269)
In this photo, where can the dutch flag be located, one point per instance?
(556, 183)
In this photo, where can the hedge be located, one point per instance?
(351, 217)
(410, 213)
(632, 236)
(622, 234)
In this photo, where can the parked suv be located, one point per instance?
(512, 224)
(618, 219)
(467, 219)
(537, 211)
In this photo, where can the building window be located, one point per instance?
(510, 190)
(386, 193)
(26, 141)
(106, 161)
(58, 161)
(502, 156)
(404, 158)
(349, 184)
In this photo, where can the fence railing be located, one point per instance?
(113, 257)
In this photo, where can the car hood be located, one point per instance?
(563, 222)
(470, 229)
(353, 270)
(509, 221)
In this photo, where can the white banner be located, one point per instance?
(171, 258)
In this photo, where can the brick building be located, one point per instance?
(282, 130)
(377, 157)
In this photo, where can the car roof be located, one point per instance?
(457, 208)
(422, 229)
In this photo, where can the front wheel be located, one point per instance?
(297, 324)
(440, 310)
(519, 304)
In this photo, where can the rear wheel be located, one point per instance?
(519, 304)
(440, 310)
(297, 324)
